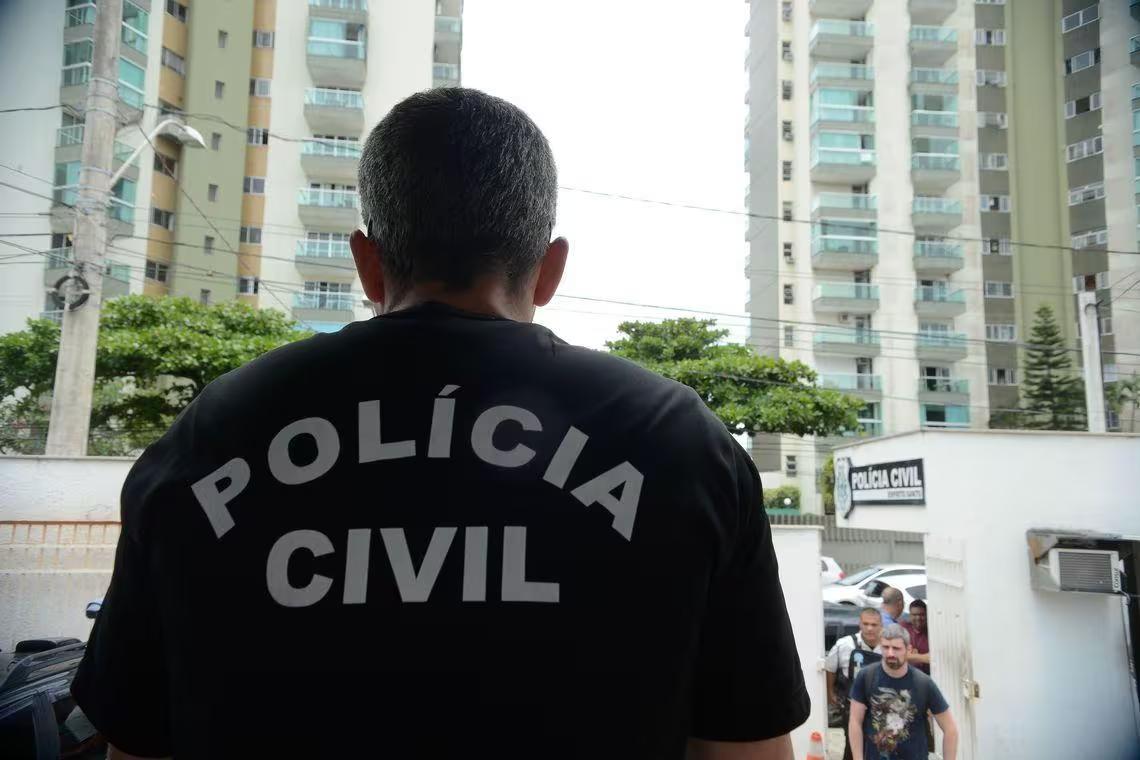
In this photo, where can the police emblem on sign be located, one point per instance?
(843, 502)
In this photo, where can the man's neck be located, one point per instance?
(895, 673)
(490, 298)
(871, 644)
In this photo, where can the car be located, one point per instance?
(847, 590)
(839, 620)
(912, 585)
(830, 571)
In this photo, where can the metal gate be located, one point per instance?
(951, 661)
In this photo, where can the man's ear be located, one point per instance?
(366, 253)
(550, 271)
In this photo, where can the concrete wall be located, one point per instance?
(61, 489)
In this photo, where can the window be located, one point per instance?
(787, 170)
(1090, 238)
(135, 21)
(173, 61)
(223, 38)
(176, 9)
(1082, 61)
(997, 119)
(789, 336)
(786, 50)
(1097, 281)
(997, 247)
(999, 289)
(156, 271)
(993, 161)
(1001, 333)
(788, 257)
(998, 203)
(1082, 105)
(1003, 376)
(1106, 325)
(215, 141)
(1080, 18)
(787, 130)
(1085, 193)
(247, 286)
(251, 235)
(989, 36)
(166, 165)
(219, 90)
(786, 89)
(790, 465)
(212, 193)
(208, 244)
(1084, 148)
(259, 87)
(262, 39)
(787, 211)
(789, 295)
(786, 10)
(253, 185)
(204, 296)
(257, 136)
(162, 218)
(991, 77)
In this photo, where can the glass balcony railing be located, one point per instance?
(842, 28)
(70, 135)
(933, 34)
(851, 382)
(330, 301)
(846, 336)
(842, 157)
(936, 162)
(850, 201)
(121, 211)
(942, 340)
(323, 249)
(352, 49)
(831, 244)
(76, 74)
(933, 76)
(827, 70)
(340, 5)
(937, 249)
(934, 119)
(846, 114)
(445, 72)
(54, 315)
(326, 98)
(1134, 44)
(80, 15)
(925, 204)
(943, 385)
(448, 25)
(867, 429)
(331, 149)
(857, 291)
(310, 196)
(928, 294)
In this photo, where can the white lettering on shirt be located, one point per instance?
(215, 503)
(483, 433)
(277, 569)
(324, 435)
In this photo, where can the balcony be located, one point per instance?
(944, 416)
(843, 341)
(842, 166)
(829, 73)
(1134, 50)
(846, 40)
(845, 297)
(943, 390)
(69, 148)
(934, 123)
(938, 302)
(448, 35)
(120, 212)
(347, 10)
(1134, 9)
(936, 214)
(840, 8)
(931, 11)
(314, 306)
(866, 386)
(339, 63)
(445, 75)
(845, 206)
(324, 257)
(843, 117)
(934, 81)
(331, 160)
(334, 210)
(941, 346)
(844, 253)
(934, 171)
(932, 46)
(334, 112)
(57, 264)
(937, 258)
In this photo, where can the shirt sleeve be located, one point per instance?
(857, 693)
(831, 664)
(937, 702)
(748, 685)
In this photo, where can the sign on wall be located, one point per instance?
(887, 483)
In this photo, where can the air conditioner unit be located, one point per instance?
(1095, 571)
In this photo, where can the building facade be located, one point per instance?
(924, 175)
(282, 91)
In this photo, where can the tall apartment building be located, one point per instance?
(283, 91)
(925, 175)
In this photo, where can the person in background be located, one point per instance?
(892, 608)
(889, 702)
(847, 656)
(919, 654)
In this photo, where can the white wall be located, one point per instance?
(797, 551)
(61, 489)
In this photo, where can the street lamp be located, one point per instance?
(179, 130)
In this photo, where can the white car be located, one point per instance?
(830, 571)
(847, 590)
(913, 586)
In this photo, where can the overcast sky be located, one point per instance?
(641, 99)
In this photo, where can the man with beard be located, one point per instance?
(889, 702)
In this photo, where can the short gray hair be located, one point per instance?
(892, 595)
(870, 611)
(455, 184)
(895, 631)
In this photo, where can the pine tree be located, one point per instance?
(1054, 395)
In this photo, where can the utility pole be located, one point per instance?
(75, 368)
(1090, 355)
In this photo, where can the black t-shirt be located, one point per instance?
(440, 534)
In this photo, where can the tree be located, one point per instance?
(748, 392)
(825, 482)
(784, 497)
(154, 355)
(1125, 393)
(1054, 396)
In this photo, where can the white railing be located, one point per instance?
(323, 249)
(321, 300)
(340, 5)
(336, 48)
(327, 98)
(324, 198)
(332, 149)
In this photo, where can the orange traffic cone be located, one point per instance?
(815, 749)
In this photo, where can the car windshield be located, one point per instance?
(859, 577)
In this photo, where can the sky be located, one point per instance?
(638, 99)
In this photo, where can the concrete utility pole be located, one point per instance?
(1090, 355)
(75, 368)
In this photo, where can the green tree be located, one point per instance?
(825, 482)
(1125, 393)
(748, 392)
(784, 497)
(154, 355)
(1053, 395)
